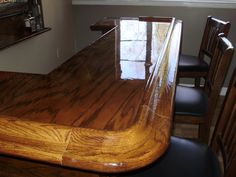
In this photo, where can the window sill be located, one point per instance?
(180, 3)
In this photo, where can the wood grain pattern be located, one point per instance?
(10, 167)
(104, 25)
(92, 112)
(33, 140)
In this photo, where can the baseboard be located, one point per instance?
(222, 92)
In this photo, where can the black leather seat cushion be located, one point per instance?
(188, 63)
(190, 101)
(184, 158)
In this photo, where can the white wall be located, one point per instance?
(39, 54)
(194, 20)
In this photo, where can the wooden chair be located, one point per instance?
(195, 66)
(186, 158)
(196, 105)
(224, 137)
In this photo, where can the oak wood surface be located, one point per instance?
(92, 112)
(14, 167)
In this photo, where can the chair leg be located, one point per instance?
(197, 82)
(177, 80)
(204, 132)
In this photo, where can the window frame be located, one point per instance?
(180, 3)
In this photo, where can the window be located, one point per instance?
(135, 62)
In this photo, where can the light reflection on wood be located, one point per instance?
(81, 115)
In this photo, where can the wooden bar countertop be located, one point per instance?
(107, 109)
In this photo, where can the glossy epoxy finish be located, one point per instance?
(107, 109)
(101, 87)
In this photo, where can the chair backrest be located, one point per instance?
(218, 68)
(217, 72)
(224, 136)
(212, 29)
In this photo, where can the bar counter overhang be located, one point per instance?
(107, 109)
